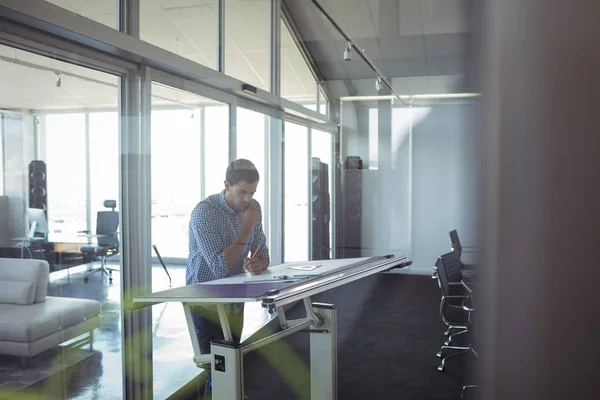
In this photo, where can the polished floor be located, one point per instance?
(389, 331)
(99, 376)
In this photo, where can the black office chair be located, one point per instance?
(107, 238)
(468, 270)
(454, 308)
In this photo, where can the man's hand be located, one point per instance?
(250, 216)
(255, 265)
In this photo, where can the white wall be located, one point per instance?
(443, 183)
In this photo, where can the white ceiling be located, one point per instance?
(189, 27)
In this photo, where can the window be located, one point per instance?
(187, 28)
(296, 217)
(297, 81)
(104, 162)
(321, 148)
(175, 178)
(216, 143)
(247, 43)
(66, 172)
(251, 145)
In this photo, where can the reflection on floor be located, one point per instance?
(100, 375)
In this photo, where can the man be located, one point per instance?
(224, 229)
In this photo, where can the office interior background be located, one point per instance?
(67, 105)
(145, 102)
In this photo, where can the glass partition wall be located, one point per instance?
(91, 127)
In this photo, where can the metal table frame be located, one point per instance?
(226, 358)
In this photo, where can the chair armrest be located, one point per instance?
(466, 287)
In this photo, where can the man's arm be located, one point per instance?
(220, 256)
(261, 262)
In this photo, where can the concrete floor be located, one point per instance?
(100, 376)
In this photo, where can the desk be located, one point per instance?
(273, 293)
(60, 250)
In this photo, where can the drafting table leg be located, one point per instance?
(227, 372)
(323, 354)
(200, 359)
(224, 323)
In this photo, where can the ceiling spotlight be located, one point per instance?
(58, 80)
(378, 84)
(348, 52)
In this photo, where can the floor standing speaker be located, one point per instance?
(350, 209)
(320, 209)
(38, 196)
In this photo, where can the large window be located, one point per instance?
(251, 145)
(216, 142)
(66, 172)
(247, 41)
(321, 148)
(297, 81)
(104, 161)
(187, 28)
(296, 217)
(189, 150)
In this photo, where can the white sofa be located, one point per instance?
(30, 321)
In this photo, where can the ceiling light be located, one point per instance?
(58, 80)
(378, 84)
(348, 52)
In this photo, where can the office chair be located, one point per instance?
(469, 270)
(107, 223)
(454, 311)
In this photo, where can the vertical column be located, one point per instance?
(136, 271)
(323, 354)
(385, 177)
(539, 222)
(221, 36)
(227, 373)
(129, 17)
(88, 183)
(275, 49)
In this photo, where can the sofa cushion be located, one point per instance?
(17, 292)
(21, 323)
(15, 269)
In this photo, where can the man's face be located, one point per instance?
(239, 195)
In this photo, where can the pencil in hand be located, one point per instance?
(256, 251)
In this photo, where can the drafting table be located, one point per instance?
(274, 288)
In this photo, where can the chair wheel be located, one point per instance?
(110, 272)
(86, 279)
(441, 368)
(440, 355)
(110, 280)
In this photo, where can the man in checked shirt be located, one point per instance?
(224, 228)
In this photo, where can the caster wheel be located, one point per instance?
(110, 272)
(440, 355)
(86, 279)
(441, 368)
(110, 280)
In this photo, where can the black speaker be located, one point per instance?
(349, 214)
(38, 196)
(320, 209)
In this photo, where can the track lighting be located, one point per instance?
(378, 84)
(348, 52)
(58, 80)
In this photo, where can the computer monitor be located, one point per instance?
(37, 216)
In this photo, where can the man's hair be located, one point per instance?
(241, 170)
